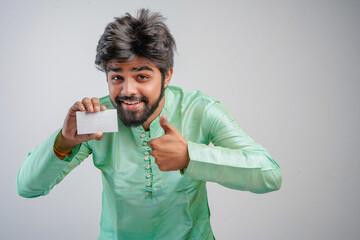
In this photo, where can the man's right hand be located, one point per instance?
(68, 137)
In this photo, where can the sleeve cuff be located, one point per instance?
(69, 158)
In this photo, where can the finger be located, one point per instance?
(154, 144)
(78, 106)
(151, 143)
(103, 108)
(88, 104)
(87, 137)
(165, 124)
(98, 136)
(96, 104)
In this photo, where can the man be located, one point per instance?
(155, 168)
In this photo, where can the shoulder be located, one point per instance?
(190, 98)
(105, 101)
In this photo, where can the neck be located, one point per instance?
(146, 125)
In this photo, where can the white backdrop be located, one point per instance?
(288, 71)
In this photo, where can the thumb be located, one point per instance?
(165, 124)
(97, 136)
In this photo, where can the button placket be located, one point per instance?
(144, 139)
(148, 170)
(148, 184)
(148, 178)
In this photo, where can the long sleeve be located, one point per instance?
(42, 170)
(236, 160)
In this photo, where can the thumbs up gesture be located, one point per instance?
(170, 150)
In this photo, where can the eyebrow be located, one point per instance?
(137, 69)
(111, 69)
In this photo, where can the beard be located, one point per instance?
(138, 117)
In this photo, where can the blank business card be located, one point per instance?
(103, 121)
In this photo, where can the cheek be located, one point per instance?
(151, 92)
(114, 91)
(153, 88)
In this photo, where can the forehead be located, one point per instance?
(135, 63)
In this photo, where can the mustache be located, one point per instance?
(119, 99)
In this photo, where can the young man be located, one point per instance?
(155, 168)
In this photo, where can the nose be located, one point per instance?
(129, 88)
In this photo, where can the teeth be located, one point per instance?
(131, 103)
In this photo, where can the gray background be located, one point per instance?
(287, 70)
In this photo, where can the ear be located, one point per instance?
(168, 77)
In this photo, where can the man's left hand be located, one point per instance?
(170, 151)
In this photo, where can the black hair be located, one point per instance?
(145, 36)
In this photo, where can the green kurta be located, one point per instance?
(141, 202)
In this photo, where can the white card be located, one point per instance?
(103, 121)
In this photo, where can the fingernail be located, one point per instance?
(97, 108)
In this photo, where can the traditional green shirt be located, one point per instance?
(141, 202)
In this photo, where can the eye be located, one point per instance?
(117, 78)
(142, 77)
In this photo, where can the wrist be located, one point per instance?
(61, 155)
(63, 145)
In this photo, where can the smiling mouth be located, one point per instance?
(131, 105)
(131, 102)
